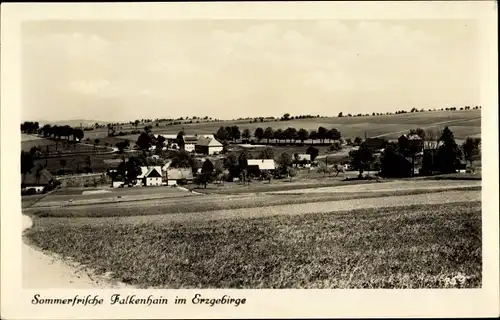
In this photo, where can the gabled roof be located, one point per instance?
(208, 142)
(263, 164)
(146, 171)
(207, 136)
(153, 172)
(179, 173)
(191, 139)
(167, 136)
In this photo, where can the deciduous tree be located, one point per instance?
(259, 134)
(268, 134)
(361, 158)
(313, 152)
(471, 149)
(303, 135)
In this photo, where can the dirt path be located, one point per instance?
(41, 270)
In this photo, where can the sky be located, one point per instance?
(125, 70)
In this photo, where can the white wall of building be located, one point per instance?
(214, 150)
(189, 147)
(153, 181)
(117, 184)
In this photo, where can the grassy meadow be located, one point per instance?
(420, 246)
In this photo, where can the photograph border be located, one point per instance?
(264, 303)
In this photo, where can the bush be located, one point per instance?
(28, 192)
(48, 188)
(336, 146)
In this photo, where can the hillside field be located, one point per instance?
(462, 123)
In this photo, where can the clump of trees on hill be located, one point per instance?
(29, 127)
(439, 153)
(56, 132)
(412, 110)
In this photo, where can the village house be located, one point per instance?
(413, 141)
(175, 176)
(37, 179)
(153, 177)
(208, 145)
(170, 141)
(150, 176)
(190, 143)
(376, 143)
(257, 166)
(304, 160)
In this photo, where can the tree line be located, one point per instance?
(233, 133)
(56, 132)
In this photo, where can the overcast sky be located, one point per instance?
(119, 71)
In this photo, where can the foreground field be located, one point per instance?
(419, 246)
(251, 205)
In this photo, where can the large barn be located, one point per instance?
(208, 145)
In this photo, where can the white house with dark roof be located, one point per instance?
(150, 176)
(208, 145)
(153, 177)
(190, 143)
(262, 164)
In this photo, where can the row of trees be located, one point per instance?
(412, 110)
(58, 132)
(289, 134)
(30, 127)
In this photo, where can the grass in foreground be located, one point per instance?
(424, 246)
